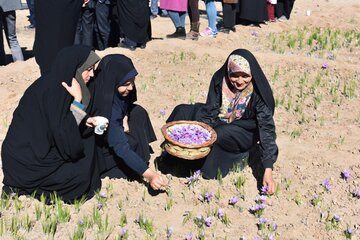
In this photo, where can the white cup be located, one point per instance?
(101, 124)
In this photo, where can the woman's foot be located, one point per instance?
(208, 32)
(226, 29)
(179, 33)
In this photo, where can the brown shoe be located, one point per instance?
(194, 31)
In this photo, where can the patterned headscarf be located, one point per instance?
(235, 101)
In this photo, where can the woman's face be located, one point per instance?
(126, 88)
(88, 74)
(240, 80)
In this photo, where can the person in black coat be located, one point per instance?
(124, 150)
(240, 107)
(49, 146)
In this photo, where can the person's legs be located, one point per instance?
(229, 14)
(88, 20)
(2, 51)
(102, 12)
(211, 12)
(10, 32)
(154, 9)
(178, 19)
(194, 16)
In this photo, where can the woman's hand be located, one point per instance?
(155, 179)
(74, 89)
(126, 124)
(91, 122)
(269, 181)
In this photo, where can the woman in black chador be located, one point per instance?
(124, 149)
(49, 146)
(240, 107)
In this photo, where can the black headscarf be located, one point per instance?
(50, 119)
(113, 71)
(259, 80)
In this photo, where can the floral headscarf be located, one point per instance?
(234, 102)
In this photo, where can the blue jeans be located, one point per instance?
(10, 33)
(154, 7)
(178, 18)
(211, 14)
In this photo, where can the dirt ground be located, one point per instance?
(312, 63)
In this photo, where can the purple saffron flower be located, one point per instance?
(233, 200)
(208, 196)
(169, 232)
(257, 238)
(263, 220)
(324, 66)
(162, 112)
(261, 199)
(271, 237)
(264, 190)
(356, 193)
(330, 56)
(327, 184)
(349, 231)
(188, 236)
(220, 213)
(346, 174)
(123, 232)
(274, 227)
(103, 194)
(99, 206)
(208, 222)
(81, 222)
(337, 218)
(12, 195)
(254, 34)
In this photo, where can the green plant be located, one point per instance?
(298, 199)
(123, 220)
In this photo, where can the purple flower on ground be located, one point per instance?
(271, 237)
(356, 193)
(337, 218)
(188, 236)
(261, 199)
(254, 34)
(220, 213)
(12, 195)
(169, 232)
(123, 232)
(349, 231)
(257, 238)
(99, 206)
(81, 222)
(208, 222)
(264, 190)
(208, 196)
(346, 174)
(330, 56)
(162, 112)
(233, 200)
(263, 220)
(325, 66)
(327, 184)
(274, 227)
(103, 194)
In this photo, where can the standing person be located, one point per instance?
(56, 23)
(240, 107)
(48, 148)
(283, 9)
(31, 7)
(125, 150)
(134, 23)
(253, 12)
(271, 10)
(211, 12)
(94, 24)
(177, 12)
(8, 22)
(230, 7)
(193, 9)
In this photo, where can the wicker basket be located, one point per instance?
(187, 151)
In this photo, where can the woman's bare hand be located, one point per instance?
(74, 89)
(269, 181)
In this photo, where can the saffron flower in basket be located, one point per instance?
(189, 134)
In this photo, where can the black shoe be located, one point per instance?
(226, 30)
(31, 26)
(152, 16)
(179, 33)
(123, 45)
(142, 46)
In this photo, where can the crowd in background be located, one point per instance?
(127, 23)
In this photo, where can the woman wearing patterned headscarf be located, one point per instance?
(240, 107)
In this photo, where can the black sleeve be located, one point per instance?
(118, 141)
(267, 133)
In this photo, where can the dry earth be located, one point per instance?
(317, 92)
